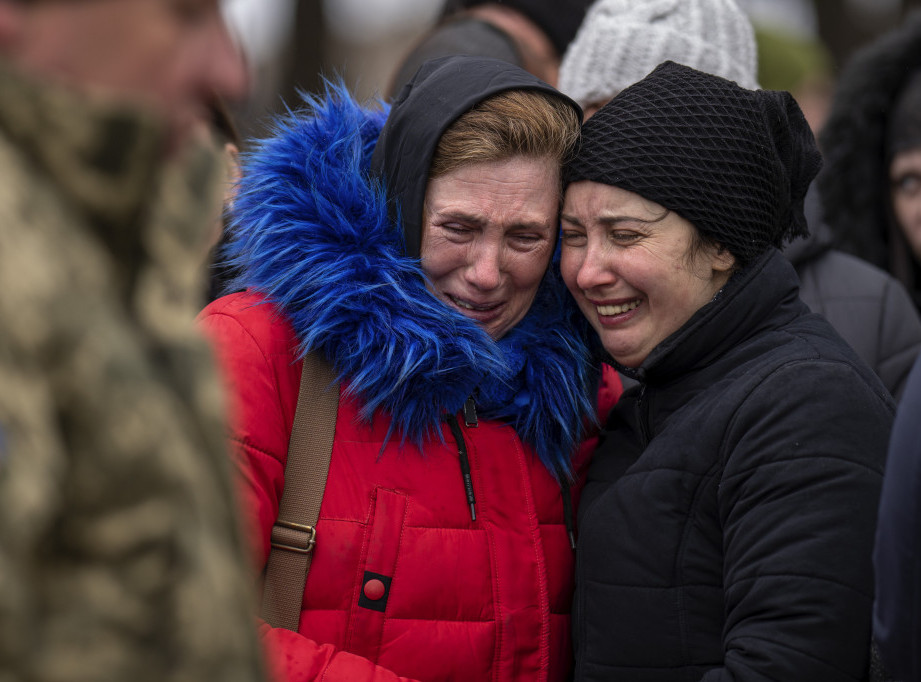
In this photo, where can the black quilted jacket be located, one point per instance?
(727, 526)
(871, 309)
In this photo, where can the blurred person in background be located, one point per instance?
(800, 64)
(897, 554)
(532, 34)
(120, 552)
(412, 248)
(621, 41)
(871, 185)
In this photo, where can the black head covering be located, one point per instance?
(558, 19)
(460, 35)
(441, 91)
(736, 163)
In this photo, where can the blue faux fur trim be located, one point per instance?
(311, 232)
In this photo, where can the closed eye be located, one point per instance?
(572, 237)
(623, 236)
(456, 230)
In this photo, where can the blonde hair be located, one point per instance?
(511, 123)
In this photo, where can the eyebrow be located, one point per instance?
(608, 220)
(613, 220)
(480, 220)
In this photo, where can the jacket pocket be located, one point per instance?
(375, 577)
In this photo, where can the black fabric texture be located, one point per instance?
(558, 19)
(441, 91)
(871, 310)
(462, 35)
(897, 555)
(734, 162)
(728, 518)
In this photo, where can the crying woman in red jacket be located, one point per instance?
(412, 249)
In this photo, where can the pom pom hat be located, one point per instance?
(621, 41)
(736, 163)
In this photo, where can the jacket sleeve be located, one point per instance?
(259, 373)
(797, 502)
(897, 555)
(899, 337)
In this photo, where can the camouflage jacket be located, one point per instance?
(119, 544)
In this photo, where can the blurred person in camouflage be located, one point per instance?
(119, 545)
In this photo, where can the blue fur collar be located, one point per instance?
(311, 231)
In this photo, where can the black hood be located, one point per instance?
(441, 91)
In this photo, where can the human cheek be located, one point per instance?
(445, 263)
(910, 223)
(570, 262)
(533, 265)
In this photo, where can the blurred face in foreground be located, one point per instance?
(170, 56)
(634, 268)
(488, 234)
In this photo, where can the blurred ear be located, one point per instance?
(232, 155)
(722, 260)
(233, 170)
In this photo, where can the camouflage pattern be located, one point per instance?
(120, 552)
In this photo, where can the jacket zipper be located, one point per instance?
(470, 419)
(642, 415)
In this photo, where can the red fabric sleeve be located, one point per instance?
(254, 349)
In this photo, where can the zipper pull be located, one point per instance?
(470, 418)
(464, 463)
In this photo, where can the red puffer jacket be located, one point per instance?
(465, 600)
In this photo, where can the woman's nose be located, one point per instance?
(595, 269)
(484, 269)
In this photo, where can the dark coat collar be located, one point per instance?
(764, 294)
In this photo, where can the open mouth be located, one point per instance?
(467, 305)
(609, 310)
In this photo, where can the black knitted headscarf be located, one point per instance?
(736, 163)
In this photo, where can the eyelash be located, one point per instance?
(461, 230)
(616, 236)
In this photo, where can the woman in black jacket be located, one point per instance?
(727, 526)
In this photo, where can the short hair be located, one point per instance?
(510, 123)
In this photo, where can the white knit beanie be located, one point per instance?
(621, 41)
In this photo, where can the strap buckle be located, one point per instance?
(294, 537)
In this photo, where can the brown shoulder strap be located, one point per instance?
(294, 533)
